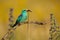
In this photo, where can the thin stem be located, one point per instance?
(28, 28)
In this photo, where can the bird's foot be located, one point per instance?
(19, 24)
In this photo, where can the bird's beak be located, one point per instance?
(29, 11)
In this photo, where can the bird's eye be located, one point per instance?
(24, 10)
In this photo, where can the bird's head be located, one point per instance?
(27, 10)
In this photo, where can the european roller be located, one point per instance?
(22, 17)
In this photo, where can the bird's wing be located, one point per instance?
(19, 18)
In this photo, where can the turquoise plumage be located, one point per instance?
(22, 18)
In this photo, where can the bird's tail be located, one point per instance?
(14, 25)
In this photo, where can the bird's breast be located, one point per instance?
(24, 18)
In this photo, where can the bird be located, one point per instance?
(22, 17)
